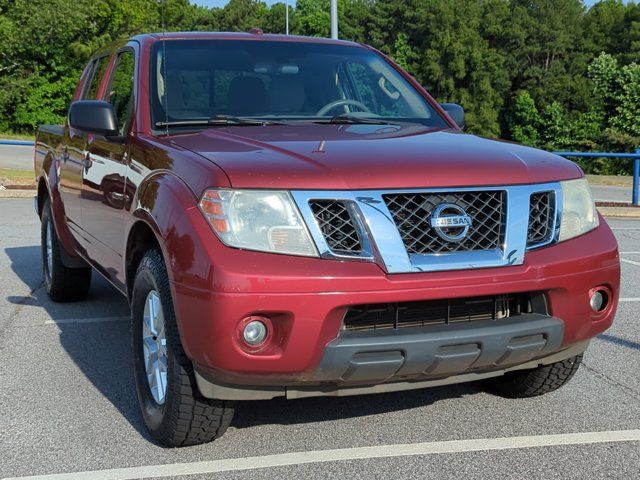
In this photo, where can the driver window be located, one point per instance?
(362, 82)
(121, 90)
(99, 67)
(359, 81)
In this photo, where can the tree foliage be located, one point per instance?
(548, 73)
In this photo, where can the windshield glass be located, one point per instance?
(293, 81)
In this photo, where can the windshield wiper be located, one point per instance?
(217, 120)
(349, 118)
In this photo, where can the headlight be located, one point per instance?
(266, 221)
(579, 214)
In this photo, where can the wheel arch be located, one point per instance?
(142, 238)
(46, 177)
(159, 203)
(165, 215)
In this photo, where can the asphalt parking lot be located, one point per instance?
(67, 402)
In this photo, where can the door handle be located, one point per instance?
(86, 161)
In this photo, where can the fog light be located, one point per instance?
(598, 300)
(254, 333)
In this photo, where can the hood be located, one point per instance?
(320, 157)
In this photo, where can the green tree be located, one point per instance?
(524, 120)
(314, 19)
(242, 15)
(619, 90)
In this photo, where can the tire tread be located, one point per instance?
(67, 284)
(539, 381)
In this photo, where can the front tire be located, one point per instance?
(63, 284)
(538, 381)
(173, 409)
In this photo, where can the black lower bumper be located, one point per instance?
(438, 351)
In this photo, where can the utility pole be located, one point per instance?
(286, 17)
(334, 19)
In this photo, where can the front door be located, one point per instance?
(74, 154)
(105, 173)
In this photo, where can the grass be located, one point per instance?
(13, 177)
(611, 180)
(16, 136)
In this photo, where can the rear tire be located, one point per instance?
(531, 383)
(173, 409)
(63, 284)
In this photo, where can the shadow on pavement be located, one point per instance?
(102, 352)
(290, 412)
(619, 341)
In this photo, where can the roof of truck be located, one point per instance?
(254, 34)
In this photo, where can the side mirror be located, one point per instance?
(93, 116)
(455, 111)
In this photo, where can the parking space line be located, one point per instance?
(357, 453)
(630, 262)
(62, 321)
(629, 299)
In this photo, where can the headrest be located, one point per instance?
(286, 94)
(247, 96)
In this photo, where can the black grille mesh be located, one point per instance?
(337, 226)
(412, 212)
(542, 213)
(441, 312)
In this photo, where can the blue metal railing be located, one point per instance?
(636, 166)
(26, 143)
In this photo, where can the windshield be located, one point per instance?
(283, 81)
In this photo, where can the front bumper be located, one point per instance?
(307, 298)
(439, 350)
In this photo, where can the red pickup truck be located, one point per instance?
(295, 217)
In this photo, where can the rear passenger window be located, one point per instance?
(121, 90)
(100, 66)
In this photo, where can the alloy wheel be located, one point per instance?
(154, 345)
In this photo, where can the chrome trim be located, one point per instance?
(302, 200)
(556, 221)
(383, 243)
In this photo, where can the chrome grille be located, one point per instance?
(337, 225)
(412, 211)
(542, 211)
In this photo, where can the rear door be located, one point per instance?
(73, 155)
(103, 195)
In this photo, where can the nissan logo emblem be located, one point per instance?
(450, 222)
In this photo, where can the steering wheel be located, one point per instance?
(341, 103)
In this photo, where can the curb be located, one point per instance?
(11, 193)
(24, 143)
(625, 212)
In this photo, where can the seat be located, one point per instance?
(178, 105)
(247, 96)
(287, 94)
